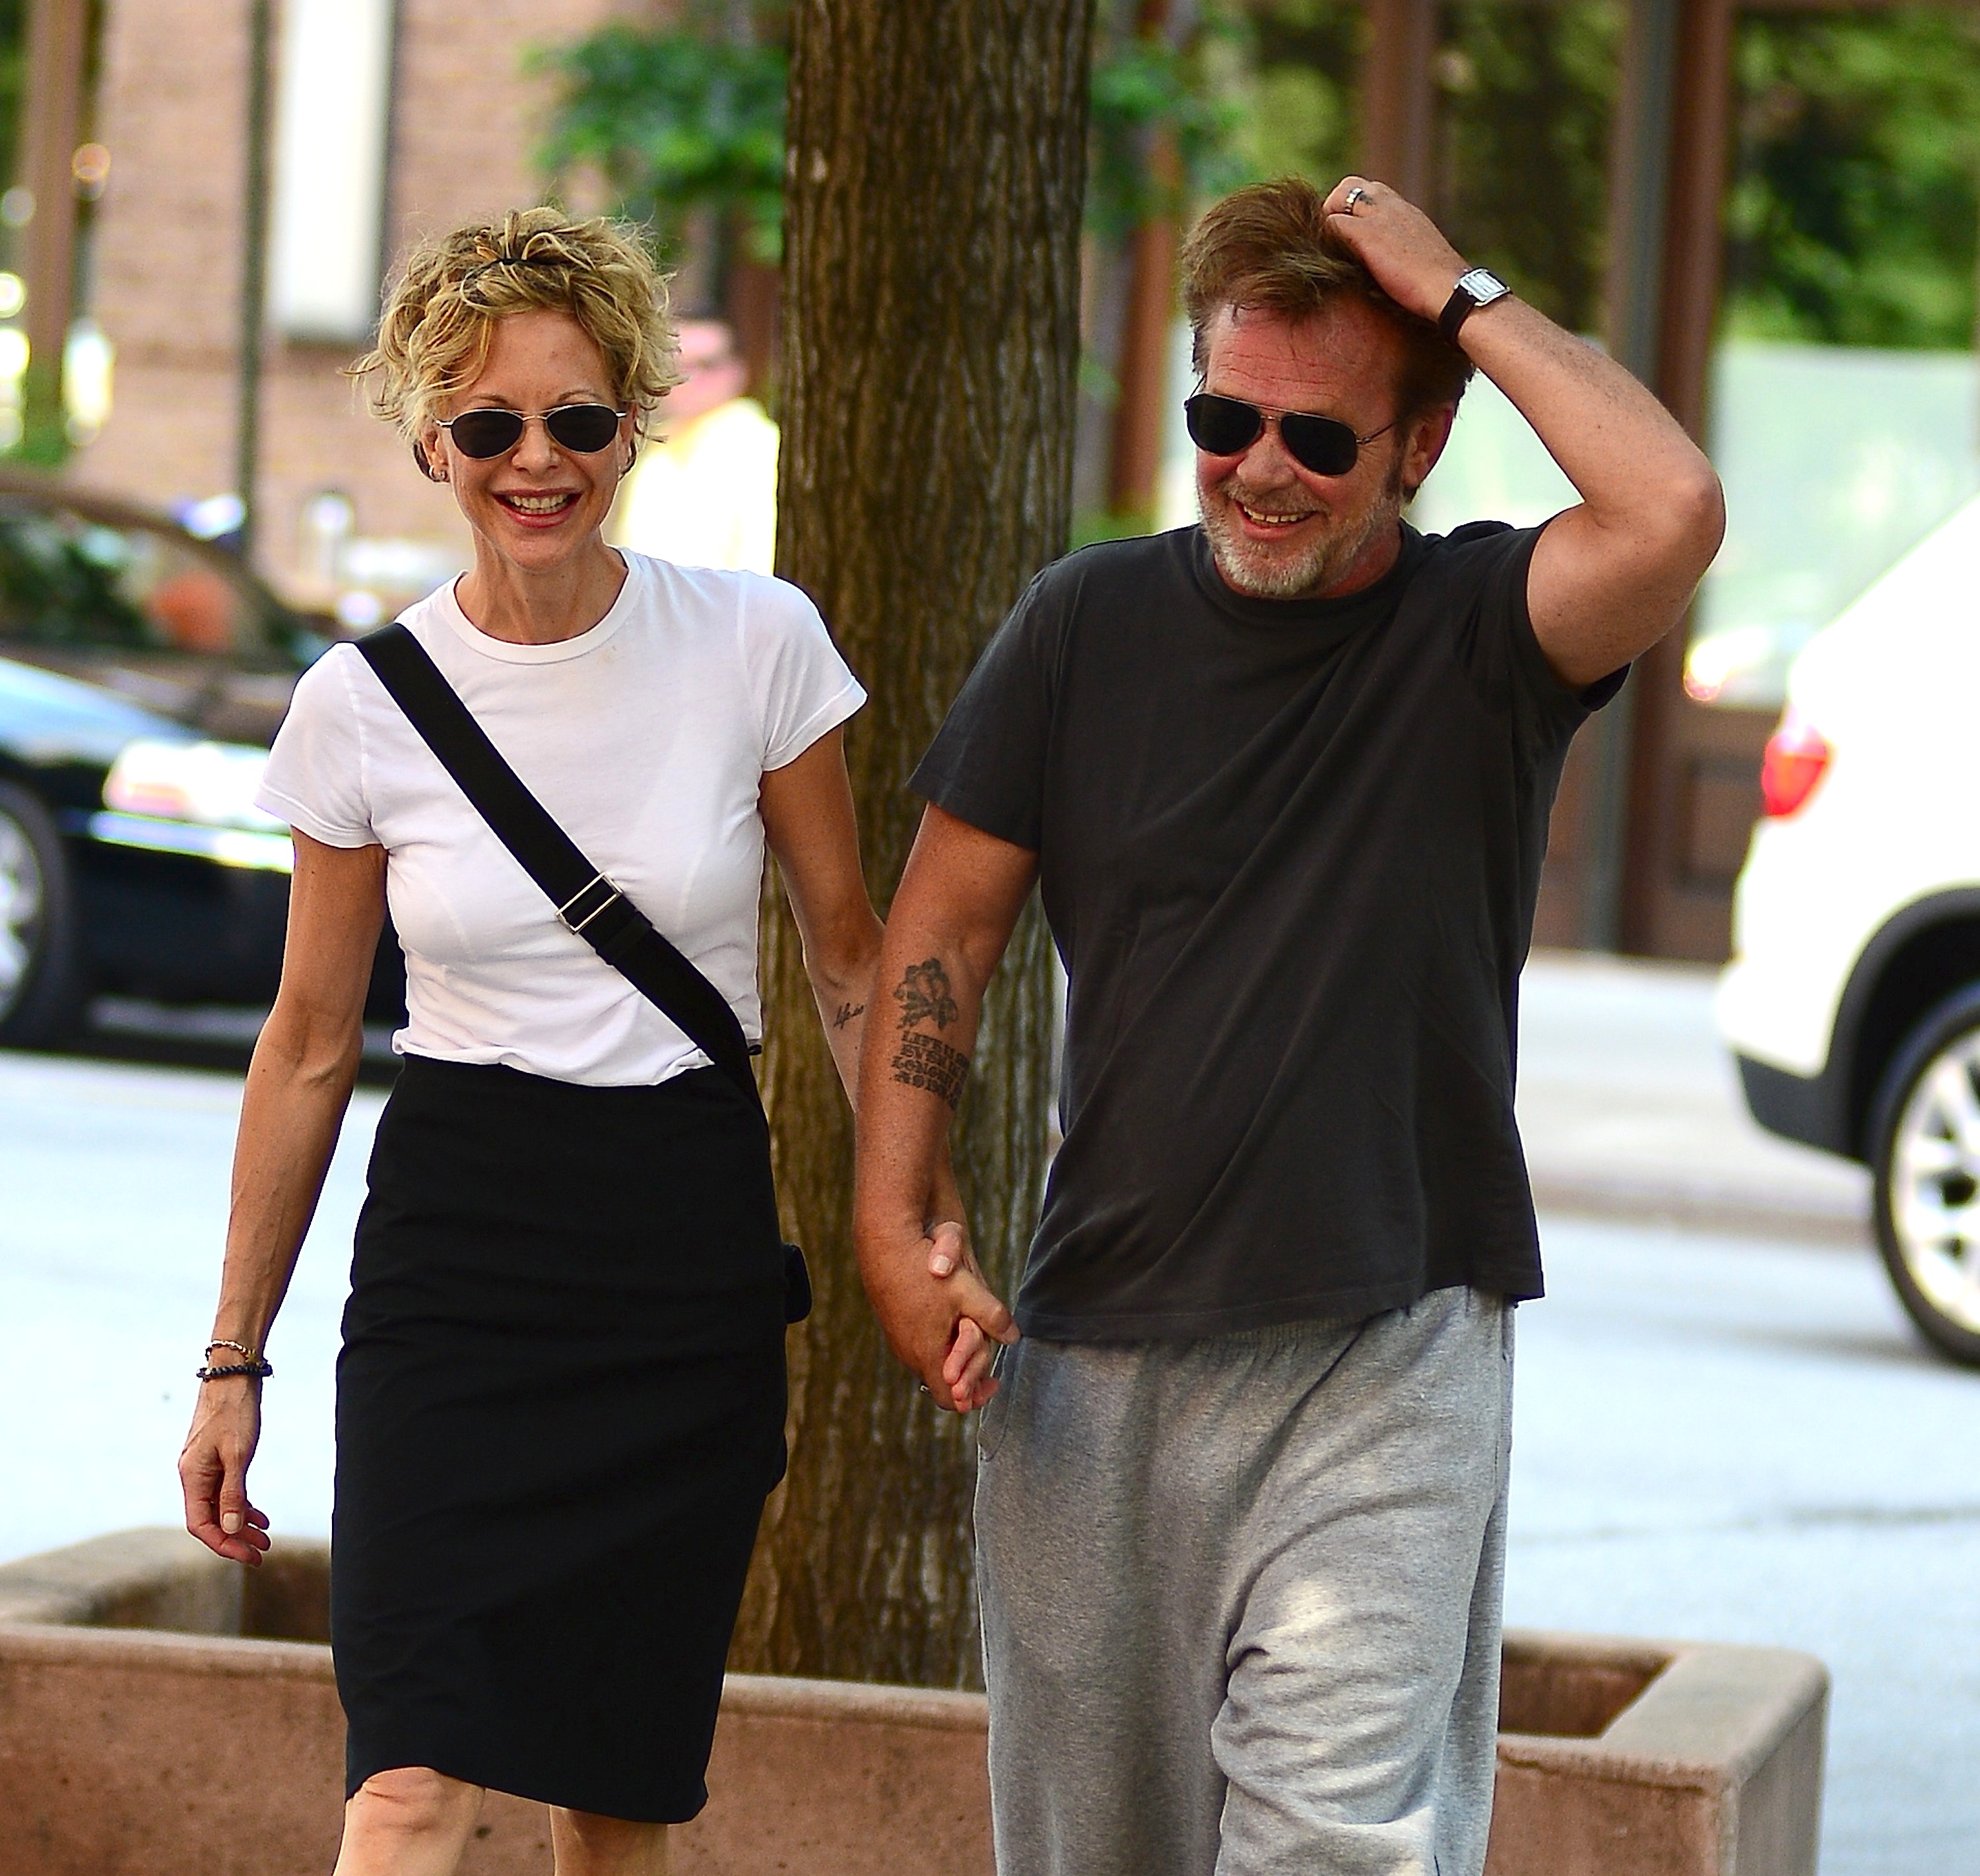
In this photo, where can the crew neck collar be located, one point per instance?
(1281, 613)
(508, 651)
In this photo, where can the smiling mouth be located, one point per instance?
(1265, 518)
(539, 507)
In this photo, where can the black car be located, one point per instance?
(143, 673)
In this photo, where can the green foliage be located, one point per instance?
(1304, 58)
(1523, 146)
(1145, 90)
(1526, 93)
(13, 69)
(677, 120)
(691, 116)
(1852, 216)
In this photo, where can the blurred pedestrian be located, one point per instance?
(560, 1398)
(704, 494)
(1283, 778)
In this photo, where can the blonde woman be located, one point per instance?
(560, 1397)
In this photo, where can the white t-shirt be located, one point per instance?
(646, 738)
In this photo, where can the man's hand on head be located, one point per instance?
(1396, 242)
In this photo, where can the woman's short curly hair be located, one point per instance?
(440, 322)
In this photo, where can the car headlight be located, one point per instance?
(193, 798)
(209, 784)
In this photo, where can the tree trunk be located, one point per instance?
(936, 171)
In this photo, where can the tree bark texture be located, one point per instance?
(937, 159)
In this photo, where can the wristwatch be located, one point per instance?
(1479, 287)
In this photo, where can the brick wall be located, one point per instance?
(170, 108)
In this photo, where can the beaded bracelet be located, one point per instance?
(259, 1368)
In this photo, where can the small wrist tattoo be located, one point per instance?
(928, 1062)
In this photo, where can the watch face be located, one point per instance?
(1483, 285)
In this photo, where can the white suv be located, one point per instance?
(1852, 1002)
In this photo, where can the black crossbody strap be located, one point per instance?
(586, 900)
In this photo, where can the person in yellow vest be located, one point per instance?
(704, 490)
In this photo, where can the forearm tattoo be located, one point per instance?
(928, 1062)
(924, 996)
(847, 1011)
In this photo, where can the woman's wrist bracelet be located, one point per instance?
(260, 1370)
(252, 1361)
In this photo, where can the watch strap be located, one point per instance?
(1476, 288)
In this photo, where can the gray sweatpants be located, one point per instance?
(1242, 1598)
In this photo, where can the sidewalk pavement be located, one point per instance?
(1630, 1105)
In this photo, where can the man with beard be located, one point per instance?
(1284, 781)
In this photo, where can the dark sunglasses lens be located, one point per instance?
(483, 433)
(584, 428)
(1221, 426)
(1324, 444)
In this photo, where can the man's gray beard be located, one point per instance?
(1259, 575)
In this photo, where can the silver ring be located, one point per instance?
(1355, 194)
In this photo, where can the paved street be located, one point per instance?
(1735, 1441)
(1718, 1438)
(113, 1204)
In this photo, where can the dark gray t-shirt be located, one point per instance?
(1290, 852)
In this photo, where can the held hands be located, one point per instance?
(1397, 243)
(212, 1470)
(984, 1325)
(941, 1319)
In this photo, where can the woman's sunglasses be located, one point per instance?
(584, 429)
(1229, 426)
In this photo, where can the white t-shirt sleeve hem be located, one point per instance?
(284, 808)
(827, 717)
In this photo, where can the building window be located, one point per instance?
(333, 127)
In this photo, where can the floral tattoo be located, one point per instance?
(924, 996)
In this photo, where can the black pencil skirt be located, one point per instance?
(559, 1407)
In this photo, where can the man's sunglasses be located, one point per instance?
(1229, 426)
(584, 429)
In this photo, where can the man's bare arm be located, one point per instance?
(1611, 575)
(959, 899)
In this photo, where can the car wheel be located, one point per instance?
(41, 977)
(1927, 1163)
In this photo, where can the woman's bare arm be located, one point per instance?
(810, 823)
(298, 1085)
(808, 820)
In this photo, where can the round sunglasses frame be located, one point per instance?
(1322, 445)
(522, 419)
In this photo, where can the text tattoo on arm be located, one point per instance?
(847, 1011)
(927, 1061)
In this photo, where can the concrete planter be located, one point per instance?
(217, 1750)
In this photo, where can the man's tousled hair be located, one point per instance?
(1266, 249)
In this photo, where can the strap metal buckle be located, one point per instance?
(612, 894)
